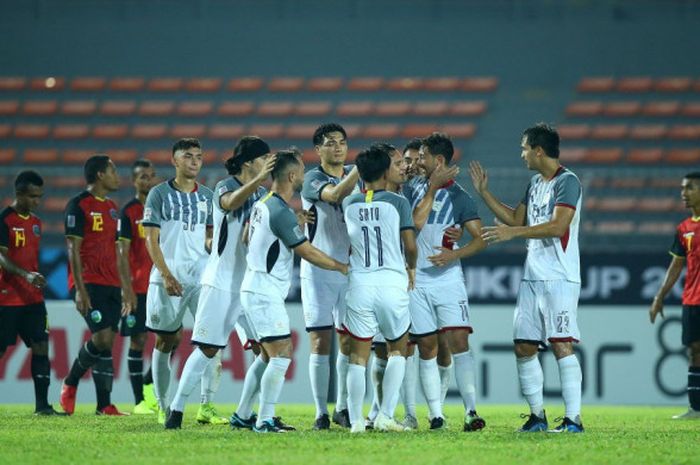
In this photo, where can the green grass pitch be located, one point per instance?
(614, 435)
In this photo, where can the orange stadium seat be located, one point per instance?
(39, 107)
(644, 156)
(118, 108)
(313, 108)
(285, 84)
(76, 156)
(270, 131)
(226, 131)
(380, 131)
(441, 84)
(615, 204)
(66, 182)
(365, 84)
(354, 108)
(300, 131)
(165, 84)
(122, 157)
(620, 109)
(595, 84)
(479, 84)
(12, 84)
(405, 84)
(249, 84)
(149, 131)
(9, 107)
(673, 84)
(418, 130)
(665, 183)
(54, 204)
(157, 108)
(203, 85)
(5, 130)
(195, 108)
(328, 84)
(691, 110)
(127, 84)
(459, 130)
(48, 84)
(609, 131)
(309, 156)
(590, 108)
(684, 132)
(574, 131)
(88, 84)
(53, 227)
(683, 157)
(666, 228)
(662, 109)
(628, 183)
(78, 107)
(352, 154)
(31, 131)
(70, 131)
(40, 156)
(657, 204)
(634, 84)
(179, 131)
(159, 157)
(275, 109)
(392, 108)
(648, 131)
(603, 155)
(615, 227)
(110, 131)
(353, 130)
(474, 108)
(434, 109)
(572, 154)
(7, 156)
(234, 108)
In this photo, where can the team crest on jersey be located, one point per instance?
(36, 230)
(70, 221)
(113, 213)
(147, 213)
(202, 206)
(318, 183)
(223, 190)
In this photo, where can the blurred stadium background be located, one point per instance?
(618, 78)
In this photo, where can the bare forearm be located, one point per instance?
(236, 199)
(157, 258)
(422, 210)
(411, 258)
(672, 274)
(503, 212)
(337, 193)
(77, 266)
(474, 247)
(540, 231)
(123, 265)
(10, 266)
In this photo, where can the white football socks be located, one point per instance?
(430, 382)
(377, 373)
(355, 381)
(341, 368)
(211, 378)
(466, 379)
(391, 384)
(195, 367)
(271, 387)
(161, 376)
(570, 376)
(445, 380)
(319, 374)
(531, 382)
(251, 386)
(408, 388)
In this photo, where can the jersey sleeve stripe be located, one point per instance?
(675, 255)
(150, 225)
(298, 243)
(565, 205)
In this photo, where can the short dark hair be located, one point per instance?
(141, 163)
(373, 162)
(545, 136)
(326, 129)
(186, 143)
(95, 164)
(385, 146)
(439, 144)
(695, 175)
(413, 144)
(27, 178)
(285, 159)
(248, 148)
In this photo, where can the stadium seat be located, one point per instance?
(88, 84)
(12, 84)
(418, 130)
(285, 84)
(149, 131)
(479, 84)
(270, 131)
(310, 157)
(165, 84)
(573, 131)
(312, 108)
(603, 156)
(329, 84)
(354, 108)
(195, 108)
(404, 84)
(9, 107)
(459, 130)
(392, 108)
(203, 85)
(365, 84)
(353, 130)
(661, 109)
(634, 84)
(31, 131)
(235, 109)
(76, 156)
(159, 157)
(54, 204)
(53, 227)
(673, 84)
(110, 131)
(622, 109)
(300, 131)
(39, 107)
(226, 131)
(5, 130)
(178, 131)
(78, 107)
(7, 156)
(250, 84)
(682, 157)
(40, 156)
(572, 154)
(118, 108)
(615, 204)
(666, 228)
(609, 131)
(595, 84)
(474, 108)
(656, 204)
(434, 109)
(590, 108)
(352, 155)
(66, 182)
(665, 183)
(123, 157)
(691, 110)
(614, 227)
(441, 84)
(644, 156)
(47, 84)
(127, 84)
(628, 183)
(380, 131)
(70, 131)
(684, 132)
(157, 108)
(275, 109)
(648, 131)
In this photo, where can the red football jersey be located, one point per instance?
(686, 245)
(130, 228)
(20, 235)
(95, 220)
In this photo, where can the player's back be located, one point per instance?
(374, 221)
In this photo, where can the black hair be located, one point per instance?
(373, 162)
(695, 175)
(141, 163)
(186, 143)
(326, 129)
(247, 149)
(545, 136)
(413, 144)
(439, 144)
(27, 178)
(95, 164)
(385, 146)
(285, 159)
